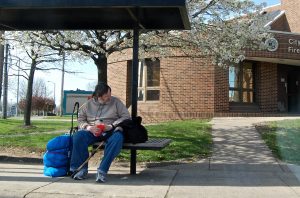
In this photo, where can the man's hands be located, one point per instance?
(108, 127)
(96, 131)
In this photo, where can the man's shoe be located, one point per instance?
(100, 176)
(82, 174)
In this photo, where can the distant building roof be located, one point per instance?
(272, 16)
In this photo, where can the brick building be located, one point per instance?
(265, 84)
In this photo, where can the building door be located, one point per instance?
(293, 91)
(283, 71)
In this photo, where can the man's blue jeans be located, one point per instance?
(82, 139)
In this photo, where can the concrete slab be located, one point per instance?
(19, 180)
(295, 169)
(216, 183)
(147, 183)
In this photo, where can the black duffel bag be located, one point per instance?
(133, 130)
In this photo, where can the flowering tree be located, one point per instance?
(95, 44)
(221, 29)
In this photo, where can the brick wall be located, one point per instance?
(291, 8)
(267, 86)
(221, 89)
(193, 88)
(117, 79)
(186, 89)
(281, 24)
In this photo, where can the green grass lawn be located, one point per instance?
(65, 117)
(283, 138)
(191, 139)
(14, 126)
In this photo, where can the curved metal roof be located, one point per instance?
(93, 14)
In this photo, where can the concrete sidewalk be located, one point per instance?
(241, 166)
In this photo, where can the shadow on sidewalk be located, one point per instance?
(190, 174)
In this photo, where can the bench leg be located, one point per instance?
(132, 162)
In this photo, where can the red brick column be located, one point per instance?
(267, 87)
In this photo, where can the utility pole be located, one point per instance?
(17, 106)
(5, 84)
(62, 85)
(1, 65)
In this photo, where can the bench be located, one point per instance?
(151, 144)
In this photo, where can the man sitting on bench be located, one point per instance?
(111, 111)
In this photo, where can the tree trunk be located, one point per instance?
(101, 63)
(27, 111)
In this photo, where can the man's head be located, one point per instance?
(102, 92)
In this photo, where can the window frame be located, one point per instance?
(240, 88)
(144, 88)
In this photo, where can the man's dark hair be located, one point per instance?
(101, 89)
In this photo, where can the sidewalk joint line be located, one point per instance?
(41, 187)
(171, 184)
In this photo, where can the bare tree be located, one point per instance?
(23, 88)
(37, 57)
(39, 88)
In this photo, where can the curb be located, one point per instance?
(12, 159)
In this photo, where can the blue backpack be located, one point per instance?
(59, 150)
(57, 157)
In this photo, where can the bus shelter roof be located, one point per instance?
(93, 14)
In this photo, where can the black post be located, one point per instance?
(134, 72)
(132, 162)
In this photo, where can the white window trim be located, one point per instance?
(144, 86)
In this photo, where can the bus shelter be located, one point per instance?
(18, 15)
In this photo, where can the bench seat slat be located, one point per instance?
(151, 144)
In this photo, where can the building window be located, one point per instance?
(241, 83)
(149, 80)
